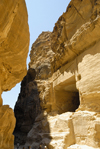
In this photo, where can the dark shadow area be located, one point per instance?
(67, 96)
(27, 107)
(40, 133)
(29, 115)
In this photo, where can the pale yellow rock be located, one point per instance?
(61, 131)
(76, 30)
(85, 124)
(80, 147)
(82, 74)
(89, 84)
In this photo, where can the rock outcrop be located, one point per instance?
(78, 25)
(33, 91)
(69, 96)
(27, 107)
(7, 125)
(14, 43)
(42, 64)
(41, 48)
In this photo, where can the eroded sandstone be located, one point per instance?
(69, 96)
(78, 25)
(7, 125)
(14, 43)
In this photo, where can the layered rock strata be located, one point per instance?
(78, 25)
(42, 64)
(14, 43)
(70, 116)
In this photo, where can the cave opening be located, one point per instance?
(67, 96)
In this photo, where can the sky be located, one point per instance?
(42, 16)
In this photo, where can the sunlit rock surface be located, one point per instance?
(41, 55)
(14, 43)
(75, 31)
(69, 96)
(7, 125)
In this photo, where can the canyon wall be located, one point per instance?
(67, 65)
(27, 107)
(34, 94)
(14, 44)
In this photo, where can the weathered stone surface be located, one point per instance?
(7, 124)
(72, 78)
(41, 48)
(52, 131)
(75, 31)
(62, 131)
(80, 147)
(85, 128)
(69, 96)
(14, 43)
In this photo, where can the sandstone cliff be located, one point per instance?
(34, 92)
(69, 96)
(42, 64)
(14, 43)
(78, 25)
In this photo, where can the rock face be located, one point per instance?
(41, 48)
(7, 124)
(32, 95)
(42, 64)
(67, 41)
(69, 96)
(14, 43)
(27, 107)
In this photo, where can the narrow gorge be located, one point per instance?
(59, 101)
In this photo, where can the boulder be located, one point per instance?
(14, 44)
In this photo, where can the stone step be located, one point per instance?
(76, 146)
(56, 144)
(59, 135)
(55, 136)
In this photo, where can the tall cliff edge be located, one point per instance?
(14, 44)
